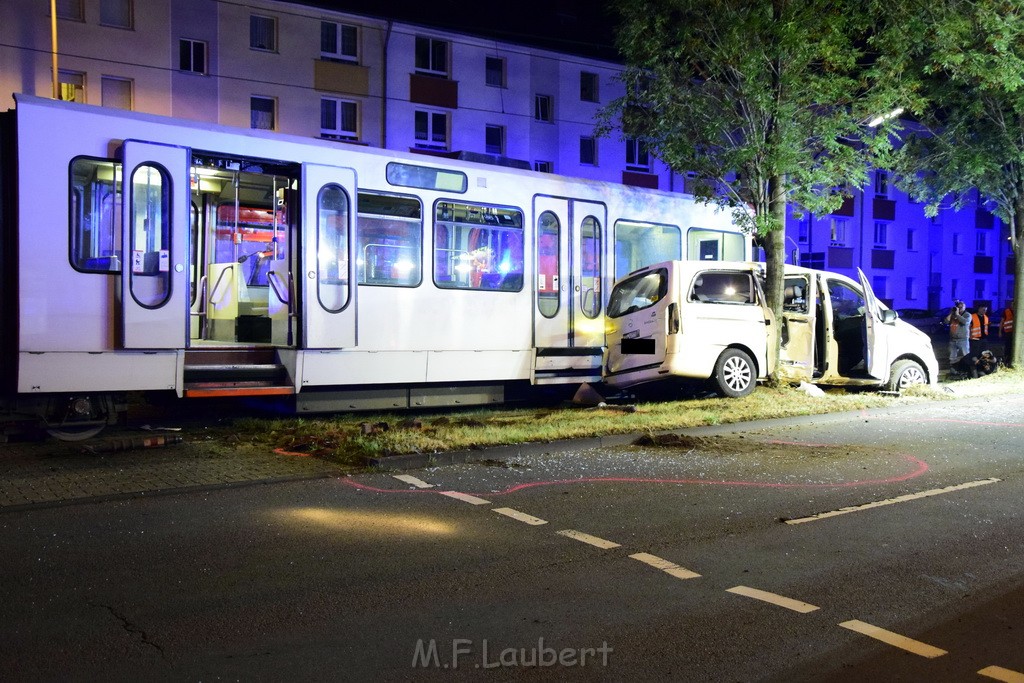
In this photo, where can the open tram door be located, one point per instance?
(568, 320)
(155, 215)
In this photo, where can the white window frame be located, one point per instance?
(494, 139)
(881, 234)
(253, 18)
(981, 243)
(502, 71)
(979, 288)
(803, 230)
(838, 231)
(637, 157)
(340, 51)
(543, 108)
(591, 141)
(71, 80)
(433, 120)
(106, 81)
(273, 111)
(191, 45)
(337, 132)
(125, 6)
(882, 184)
(431, 67)
(589, 81)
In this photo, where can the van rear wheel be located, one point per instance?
(735, 375)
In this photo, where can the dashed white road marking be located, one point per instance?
(520, 516)
(773, 598)
(892, 501)
(587, 538)
(1000, 674)
(670, 568)
(896, 640)
(465, 497)
(409, 479)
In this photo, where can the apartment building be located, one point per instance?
(373, 80)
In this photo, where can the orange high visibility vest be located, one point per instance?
(978, 323)
(1006, 324)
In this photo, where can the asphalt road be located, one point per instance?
(677, 561)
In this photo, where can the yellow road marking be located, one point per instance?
(779, 600)
(465, 497)
(892, 501)
(587, 538)
(670, 568)
(896, 640)
(520, 516)
(1001, 674)
(409, 479)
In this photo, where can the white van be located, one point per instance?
(703, 320)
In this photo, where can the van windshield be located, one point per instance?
(638, 292)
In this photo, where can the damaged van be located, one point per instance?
(710, 321)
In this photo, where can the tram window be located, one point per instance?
(332, 248)
(548, 241)
(643, 244)
(715, 245)
(150, 236)
(590, 267)
(426, 178)
(95, 205)
(389, 251)
(478, 247)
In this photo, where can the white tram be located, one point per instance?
(146, 254)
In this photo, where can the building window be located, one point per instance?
(116, 92)
(878, 284)
(71, 10)
(981, 243)
(431, 56)
(494, 140)
(71, 86)
(979, 289)
(544, 166)
(262, 33)
(588, 87)
(838, 232)
(262, 113)
(957, 246)
(192, 56)
(954, 288)
(881, 184)
(431, 130)
(911, 239)
(542, 109)
(803, 230)
(117, 13)
(588, 151)
(339, 41)
(495, 67)
(881, 234)
(339, 119)
(911, 289)
(637, 157)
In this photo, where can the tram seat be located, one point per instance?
(108, 263)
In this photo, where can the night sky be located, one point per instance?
(574, 26)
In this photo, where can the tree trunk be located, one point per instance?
(775, 250)
(1018, 283)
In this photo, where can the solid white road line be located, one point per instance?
(472, 500)
(520, 516)
(892, 501)
(409, 479)
(896, 640)
(670, 568)
(587, 538)
(1001, 674)
(779, 600)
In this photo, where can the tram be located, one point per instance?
(141, 253)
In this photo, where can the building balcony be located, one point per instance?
(339, 77)
(433, 91)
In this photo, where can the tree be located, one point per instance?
(766, 102)
(971, 68)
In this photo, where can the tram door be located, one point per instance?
(155, 216)
(327, 282)
(568, 327)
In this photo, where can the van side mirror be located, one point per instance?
(889, 316)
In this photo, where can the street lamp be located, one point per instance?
(882, 118)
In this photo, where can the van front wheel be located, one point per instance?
(735, 375)
(905, 373)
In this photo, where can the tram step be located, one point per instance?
(227, 389)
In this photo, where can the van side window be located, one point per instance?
(794, 295)
(723, 288)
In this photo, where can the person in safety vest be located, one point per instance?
(979, 331)
(1006, 331)
(959, 333)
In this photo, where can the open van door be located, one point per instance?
(797, 327)
(876, 351)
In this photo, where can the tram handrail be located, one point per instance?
(214, 298)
